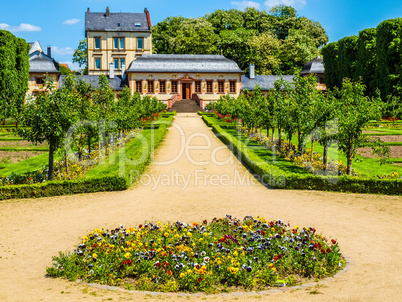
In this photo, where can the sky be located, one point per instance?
(60, 24)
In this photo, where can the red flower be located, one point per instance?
(200, 279)
(322, 251)
(328, 250)
(333, 241)
(169, 273)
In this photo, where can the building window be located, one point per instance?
(162, 86)
(118, 43)
(197, 86)
(40, 81)
(118, 63)
(138, 86)
(118, 24)
(232, 86)
(137, 24)
(150, 86)
(174, 86)
(97, 63)
(209, 87)
(221, 86)
(97, 43)
(140, 43)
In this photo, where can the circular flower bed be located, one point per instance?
(210, 256)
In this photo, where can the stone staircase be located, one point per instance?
(185, 106)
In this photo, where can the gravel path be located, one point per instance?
(192, 185)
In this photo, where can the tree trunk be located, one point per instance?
(279, 136)
(51, 152)
(325, 155)
(267, 131)
(66, 161)
(300, 142)
(312, 150)
(349, 161)
(89, 145)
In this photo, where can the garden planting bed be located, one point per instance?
(367, 227)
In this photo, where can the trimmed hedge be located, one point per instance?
(275, 177)
(66, 187)
(102, 178)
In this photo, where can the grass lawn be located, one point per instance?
(365, 166)
(30, 164)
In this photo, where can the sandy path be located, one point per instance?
(368, 227)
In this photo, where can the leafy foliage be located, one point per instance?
(273, 41)
(80, 55)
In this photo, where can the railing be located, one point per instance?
(173, 99)
(198, 99)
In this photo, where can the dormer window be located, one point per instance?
(118, 25)
(137, 24)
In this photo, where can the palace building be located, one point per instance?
(117, 39)
(120, 46)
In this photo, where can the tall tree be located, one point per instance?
(330, 54)
(389, 61)
(366, 59)
(347, 56)
(80, 55)
(353, 111)
(47, 118)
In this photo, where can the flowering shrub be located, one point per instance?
(226, 252)
(311, 161)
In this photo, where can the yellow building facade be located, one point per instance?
(116, 39)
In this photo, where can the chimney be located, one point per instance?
(146, 11)
(88, 11)
(107, 12)
(111, 71)
(251, 71)
(123, 71)
(49, 51)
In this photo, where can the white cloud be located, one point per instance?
(242, 5)
(71, 21)
(21, 27)
(62, 51)
(293, 3)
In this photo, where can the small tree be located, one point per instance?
(47, 118)
(353, 111)
(80, 55)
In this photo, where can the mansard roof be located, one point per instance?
(315, 66)
(184, 63)
(266, 82)
(117, 22)
(41, 63)
(117, 83)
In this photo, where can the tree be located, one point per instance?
(366, 59)
(353, 111)
(80, 55)
(195, 36)
(264, 53)
(64, 70)
(164, 33)
(22, 66)
(14, 73)
(47, 118)
(330, 54)
(347, 56)
(389, 61)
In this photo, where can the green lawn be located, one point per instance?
(30, 164)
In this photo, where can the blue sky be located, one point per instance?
(60, 24)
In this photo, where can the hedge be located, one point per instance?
(66, 187)
(275, 177)
(102, 178)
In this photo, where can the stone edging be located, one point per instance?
(348, 267)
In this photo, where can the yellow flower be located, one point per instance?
(296, 227)
(182, 275)
(166, 234)
(94, 255)
(85, 238)
(127, 255)
(200, 240)
(189, 234)
(205, 234)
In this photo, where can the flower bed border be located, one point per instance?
(349, 266)
(277, 178)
